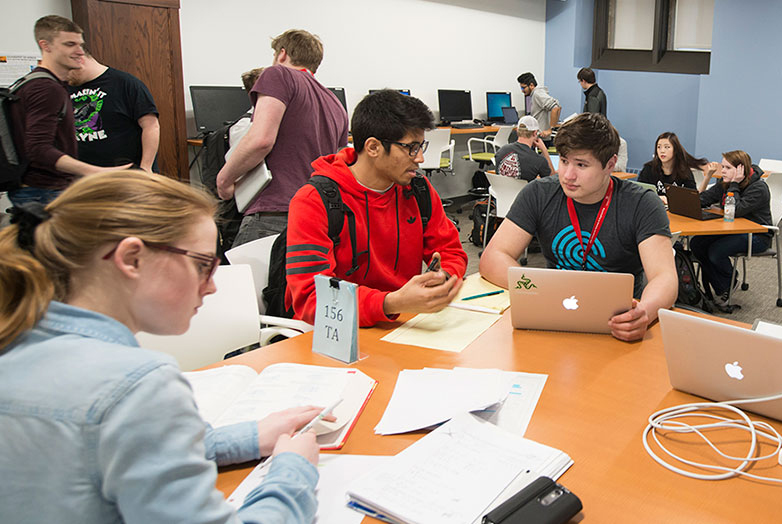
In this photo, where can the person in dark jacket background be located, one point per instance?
(595, 101)
(753, 202)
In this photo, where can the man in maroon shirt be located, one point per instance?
(296, 120)
(43, 134)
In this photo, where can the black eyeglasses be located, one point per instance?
(412, 148)
(207, 263)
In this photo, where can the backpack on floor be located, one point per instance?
(336, 210)
(691, 293)
(12, 162)
(479, 229)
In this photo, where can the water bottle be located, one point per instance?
(730, 207)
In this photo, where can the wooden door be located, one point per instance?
(142, 37)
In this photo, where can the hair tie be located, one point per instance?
(27, 217)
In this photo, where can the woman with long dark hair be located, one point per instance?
(672, 165)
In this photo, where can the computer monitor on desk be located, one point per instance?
(339, 92)
(214, 106)
(455, 105)
(495, 101)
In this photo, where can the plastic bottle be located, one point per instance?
(730, 207)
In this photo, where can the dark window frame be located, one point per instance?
(660, 59)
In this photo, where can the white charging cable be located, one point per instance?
(670, 420)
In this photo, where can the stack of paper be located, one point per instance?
(455, 474)
(426, 397)
(231, 394)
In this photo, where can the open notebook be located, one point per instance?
(231, 394)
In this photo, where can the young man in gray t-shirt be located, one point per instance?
(632, 236)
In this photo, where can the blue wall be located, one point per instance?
(736, 106)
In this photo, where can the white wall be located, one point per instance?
(369, 44)
(16, 29)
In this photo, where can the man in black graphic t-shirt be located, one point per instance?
(115, 117)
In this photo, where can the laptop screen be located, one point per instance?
(510, 115)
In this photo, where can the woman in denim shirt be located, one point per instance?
(94, 429)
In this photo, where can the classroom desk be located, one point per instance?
(594, 407)
(691, 227)
(471, 130)
(624, 176)
(195, 142)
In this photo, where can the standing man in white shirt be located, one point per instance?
(540, 104)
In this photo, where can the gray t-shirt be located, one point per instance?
(520, 161)
(634, 215)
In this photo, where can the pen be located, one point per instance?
(320, 416)
(490, 293)
(479, 309)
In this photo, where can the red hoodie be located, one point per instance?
(389, 223)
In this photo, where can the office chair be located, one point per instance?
(439, 143)
(770, 166)
(774, 182)
(503, 189)
(486, 157)
(256, 255)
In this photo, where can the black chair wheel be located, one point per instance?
(523, 262)
(744, 286)
(779, 302)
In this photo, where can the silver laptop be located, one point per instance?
(560, 300)
(718, 361)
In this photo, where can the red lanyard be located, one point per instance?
(601, 214)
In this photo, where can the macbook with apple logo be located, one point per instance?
(719, 361)
(562, 300)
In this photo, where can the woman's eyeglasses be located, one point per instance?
(207, 264)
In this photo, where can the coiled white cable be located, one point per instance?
(669, 419)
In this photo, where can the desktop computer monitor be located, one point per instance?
(403, 91)
(495, 101)
(214, 106)
(339, 92)
(455, 105)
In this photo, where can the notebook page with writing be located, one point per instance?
(452, 474)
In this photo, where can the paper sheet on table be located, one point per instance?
(336, 472)
(475, 285)
(425, 397)
(515, 412)
(447, 330)
(454, 473)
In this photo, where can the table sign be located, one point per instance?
(336, 319)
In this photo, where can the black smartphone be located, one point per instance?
(541, 502)
(434, 264)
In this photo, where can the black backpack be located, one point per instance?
(691, 293)
(12, 163)
(478, 217)
(216, 144)
(274, 292)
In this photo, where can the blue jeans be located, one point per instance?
(714, 252)
(24, 195)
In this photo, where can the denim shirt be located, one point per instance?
(94, 429)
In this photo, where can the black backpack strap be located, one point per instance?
(35, 75)
(335, 213)
(423, 197)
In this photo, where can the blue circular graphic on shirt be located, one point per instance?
(569, 254)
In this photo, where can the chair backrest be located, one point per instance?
(504, 189)
(256, 255)
(502, 136)
(770, 165)
(774, 182)
(228, 320)
(438, 142)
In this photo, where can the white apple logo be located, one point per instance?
(570, 303)
(734, 370)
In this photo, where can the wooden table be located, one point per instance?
(624, 176)
(471, 130)
(594, 407)
(692, 227)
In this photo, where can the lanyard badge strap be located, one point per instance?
(601, 214)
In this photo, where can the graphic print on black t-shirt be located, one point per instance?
(87, 104)
(569, 254)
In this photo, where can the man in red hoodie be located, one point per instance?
(392, 244)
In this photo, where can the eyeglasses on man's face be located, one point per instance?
(206, 266)
(413, 148)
